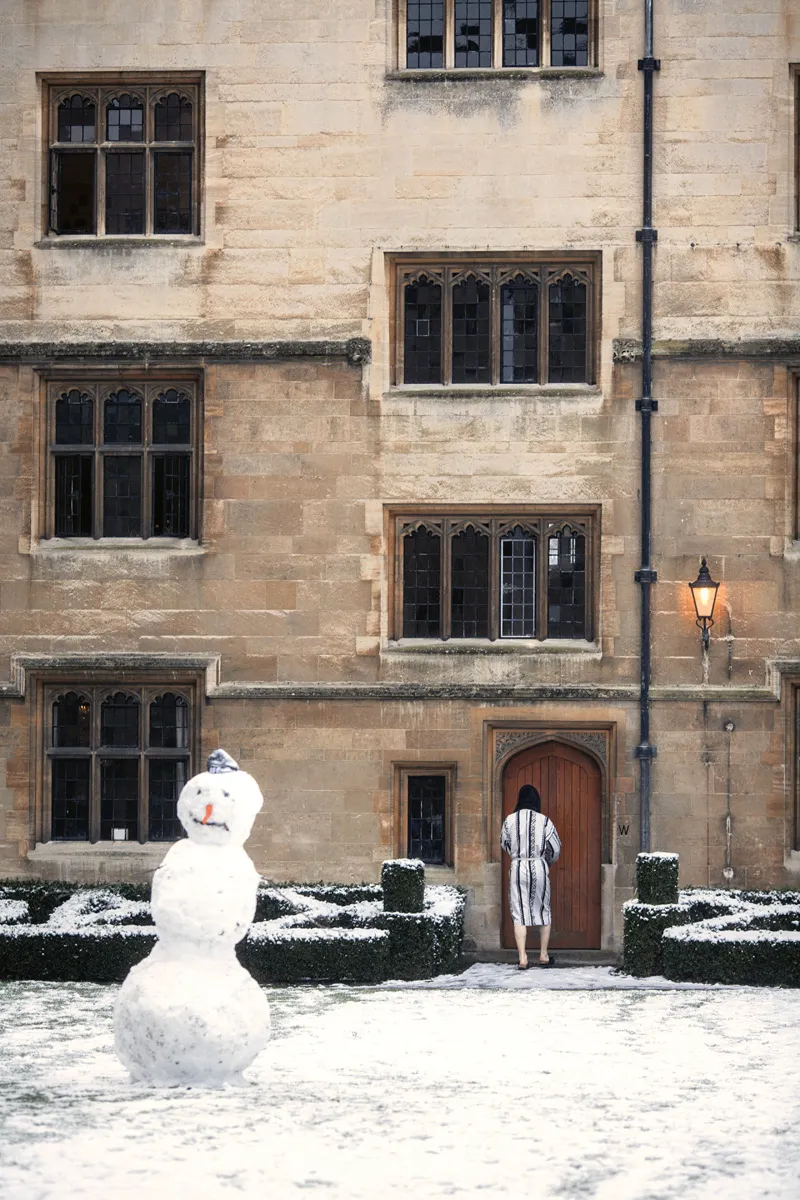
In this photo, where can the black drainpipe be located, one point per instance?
(646, 576)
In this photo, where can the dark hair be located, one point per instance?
(528, 798)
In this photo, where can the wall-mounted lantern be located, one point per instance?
(704, 594)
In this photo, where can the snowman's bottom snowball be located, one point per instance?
(189, 1022)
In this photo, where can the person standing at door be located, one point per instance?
(531, 839)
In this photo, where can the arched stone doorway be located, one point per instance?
(570, 785)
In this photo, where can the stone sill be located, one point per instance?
(184, 547)
(56, 852)
(442, 75)
(482, 646)
(504, 391)
(94, 242)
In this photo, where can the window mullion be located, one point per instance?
(541, 554)
(544, 36)
(449, 34)
(544, 326)
(495, 348)
(497, 33)
(100, 190)
(95, 797)
(444, 575)
(494, 583)
(143, 821)
(447, 326)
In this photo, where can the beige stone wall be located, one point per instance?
(316, 166)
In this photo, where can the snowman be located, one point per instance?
(190, 1013)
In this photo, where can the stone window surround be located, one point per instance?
(54, 85)
(405, 265)
(51, 381)
(144, 672)
(398, 515)
(400, 71)
(401, 772)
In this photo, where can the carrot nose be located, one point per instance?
(209, 810)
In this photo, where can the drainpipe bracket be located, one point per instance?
(645, 750)
(649, 64)
(648, 234)
(646, 575)
(647, 404)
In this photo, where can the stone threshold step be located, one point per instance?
(564, 958)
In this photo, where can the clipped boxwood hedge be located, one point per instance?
(657, 878)
(644, 926)
(319, 933)
(759, 947)
(403, 882)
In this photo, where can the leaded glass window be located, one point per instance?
(117, 760)
(490, 323)
(469, 551)
(485, 34)
(123, 460)
(566, 585)
(484, 576)
(421, 584)
(518, 584)
(426, 817)
(123, 162)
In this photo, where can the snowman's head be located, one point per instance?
(218, 807)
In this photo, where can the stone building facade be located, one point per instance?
(222, 233)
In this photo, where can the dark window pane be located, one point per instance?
(76, 119)
(470, 590)
(125, 193)
(426, 805)
(71, 721)
(167, 778)
(171, 495)
(70, 799)
(125, 119)
(74, 419)
(566, 586)
(122, 497)
(472, 359)
(421, 584)
(73, 183)
(172, 412)
(173, 193)
(119, 799)
(422, 347)
(169, 722)
(119, 721)
(519, 317)
(73, 507)
(122, 418)
(568, 331)
(473, 19)
(517, 585)
(425, 33)
(569, 33)
(173, 119)
(521, 33)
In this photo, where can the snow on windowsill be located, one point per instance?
(56, 851)
(483, 646)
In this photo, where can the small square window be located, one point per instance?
(424, 812)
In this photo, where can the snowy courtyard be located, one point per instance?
(544, 1084)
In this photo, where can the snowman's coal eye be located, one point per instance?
(227, 795)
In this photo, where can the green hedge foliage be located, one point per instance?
(759, 947)
(657, 878)
(403, 882)
(315, 933)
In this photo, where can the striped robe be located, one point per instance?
(533, 843)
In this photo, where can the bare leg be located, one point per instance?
(520, 937)
(544, 942)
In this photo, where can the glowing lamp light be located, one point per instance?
(704, 594)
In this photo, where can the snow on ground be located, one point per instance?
(507, 977)
(379, 1093)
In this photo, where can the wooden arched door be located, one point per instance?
(570, 787)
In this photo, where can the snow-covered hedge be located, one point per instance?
(757, 945)
(657, 878)
(321, 932)
(403, 882)
(715, 936)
